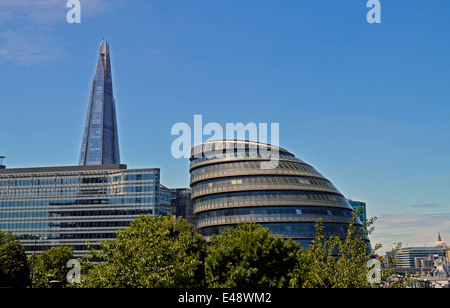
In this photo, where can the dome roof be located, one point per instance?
(439, 242)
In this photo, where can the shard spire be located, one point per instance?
(100, 144)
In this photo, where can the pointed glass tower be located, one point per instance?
(100, 139)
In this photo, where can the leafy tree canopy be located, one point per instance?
(249, 256)
(50, 265)
(160, 252)
(14, 271)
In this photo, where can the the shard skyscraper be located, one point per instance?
(100, 139)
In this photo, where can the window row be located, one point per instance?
(52, 180)
(49, 225)
(260, 182)
(257, 196)
(263, 218)
(264, 198)
(264, 180)
(52, 202)
(292, 230)
(223, 169)
(74, 191)
(276, 210)
(90, 224)
(243, 154)
(72, 213)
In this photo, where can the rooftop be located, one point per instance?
(62, 169)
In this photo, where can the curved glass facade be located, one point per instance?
(229, 186)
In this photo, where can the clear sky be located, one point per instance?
(365, 104)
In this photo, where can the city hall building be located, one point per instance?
(229, 186)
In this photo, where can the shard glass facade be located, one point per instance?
(100, 144)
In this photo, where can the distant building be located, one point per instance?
(421, 260)
(362, 207)
(413, 257)
(406, 256)
(427, 265)
(424, 263)
(181, 205)
(439, 242)
(76, 204)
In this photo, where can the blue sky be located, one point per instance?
(365, 104)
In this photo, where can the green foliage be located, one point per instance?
(14, 271)
(6, 237)
(159, 252)
(333, 262)
(164, 252)
(388, 274)
(249, 256)
(50, 265)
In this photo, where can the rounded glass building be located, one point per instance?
(236, 181)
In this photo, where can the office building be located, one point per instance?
(406, 256)
(181, 205)
(361, 206)
(1, 162)
(76, 204)
(229, 186)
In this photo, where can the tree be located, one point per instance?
(249, 256)
(14, 271)
(6, 237)
(161, 252)
(342, 263)
(333, 262)
(50, 265)
(388, 277)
